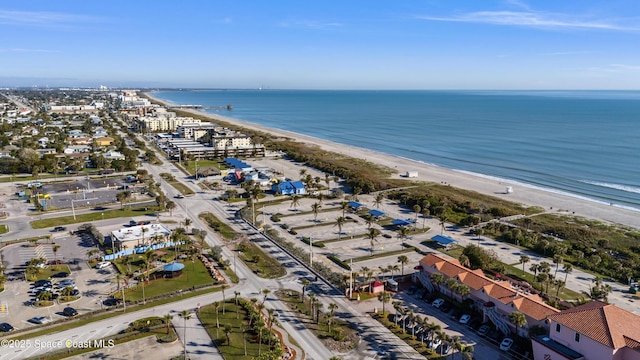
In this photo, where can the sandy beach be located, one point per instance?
(523, 194)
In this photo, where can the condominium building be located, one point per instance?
(593, 331)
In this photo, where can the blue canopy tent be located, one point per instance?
(443, 240)
(355, 205)
(400, 222)
(376, 213)
(173, 269)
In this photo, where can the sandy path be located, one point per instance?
(523, 194)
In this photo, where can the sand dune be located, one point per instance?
(523, 194)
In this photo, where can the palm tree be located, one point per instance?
(187, 223)
(236, 294)
(369, 220)
(305, 283)
(559, 286)
(344, 206)
(568, 269)
(170, 206)
(523, 260)
(452, 285)
(227, 332)
(378, 200)
(463, 290)
(464, 260)
(518, 319)
(372, 235)
(557, 259)
(340, 221)
(167, 320)
(265, 292)
(295, 201)
(437, 279)
(416, 209)
(397, 305)
(186, 315)
(425, 213)
(467, 352)
(55, 249)
(403, 233)
(403, 259)
(455, 342)
(223, 287)
(315, 208)
(392, 269)
(384, 297)
(443, 221)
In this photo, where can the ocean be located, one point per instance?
(581, 143)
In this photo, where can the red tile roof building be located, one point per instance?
(488, 293)
(595, 331)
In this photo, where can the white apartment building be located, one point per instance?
(228, 139)
(164, 123)
(195, 131)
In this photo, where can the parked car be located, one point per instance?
(437, 303)
(59, 229)
(70, 312)
(6, 327)
(435, 343)
(484, 329)
(61, 274)
(39, 320)
(179, 196)
(445, 307)
(445, 348)
(103, 264)
(40, 283)
(111, 302)
(506, 343)
(464, 319)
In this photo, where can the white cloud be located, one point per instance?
(311, 24)
(42, 18)
(21, 50)
(616, 68)
(529, 19)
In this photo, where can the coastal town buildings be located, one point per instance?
(139, 235)
(593, 331)
(163, 121)
(494, 299)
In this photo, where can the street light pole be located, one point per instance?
(310, 252)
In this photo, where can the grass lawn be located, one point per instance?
(339, 329)
(234, 350)
(46, 273)
(383, 254)
(4, 229)
(260, 263)
(191, 168)
(94, 216)
(194, 274)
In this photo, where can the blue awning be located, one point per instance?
(376, 213)
(173, 267)
(443, 240)
(355, 204)
(400, 222)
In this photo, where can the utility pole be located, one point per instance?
(310, 252)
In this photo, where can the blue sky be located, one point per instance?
(429, 44)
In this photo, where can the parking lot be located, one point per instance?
(93, 285)
(448, 318)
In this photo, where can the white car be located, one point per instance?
(465, 318)
(437, 303)
(506, 343)
(102, 265)
(435, 343)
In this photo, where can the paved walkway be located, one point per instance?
(199, 343)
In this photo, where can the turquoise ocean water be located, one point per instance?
(583, 143)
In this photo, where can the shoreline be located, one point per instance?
(525, 194)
